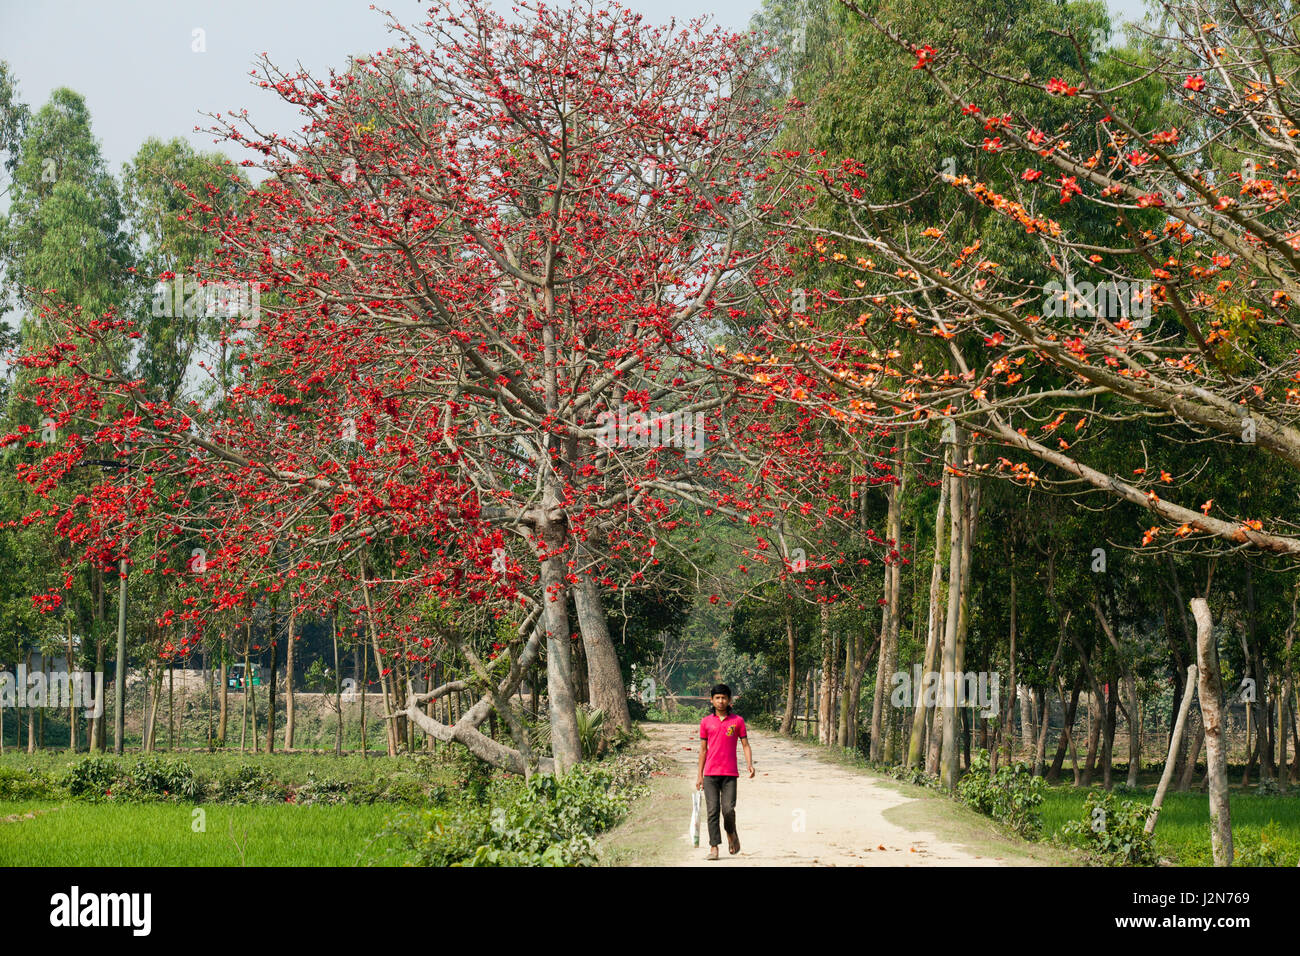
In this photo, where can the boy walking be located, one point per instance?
(718, 774)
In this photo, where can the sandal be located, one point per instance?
(713, 853)
(733, 843)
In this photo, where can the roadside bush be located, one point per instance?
(1114, 830)
(913, 775)
(547, 821)
(1012, 796)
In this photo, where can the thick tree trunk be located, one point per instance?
(1211, 693)
(561, 703)
(1175, 741)
(604, 675)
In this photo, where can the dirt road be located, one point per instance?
(799, 810)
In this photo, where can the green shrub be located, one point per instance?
(249, 783)
(28, 784)
(1267, 849)
(547, 821)
(1114, 830)
(323, 789)
(153, 777)
(92, 777)
(1012, 796)
(913, 775)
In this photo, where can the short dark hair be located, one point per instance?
(720, 689)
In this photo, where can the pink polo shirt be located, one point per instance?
(722, 735)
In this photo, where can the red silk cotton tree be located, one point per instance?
(478, 264)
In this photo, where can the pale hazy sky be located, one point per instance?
(133, 59)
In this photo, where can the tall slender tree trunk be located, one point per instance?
(1067, 731)
(792, 678)
(948, 763)
(31, 715)
(270, 691)
(915, 752)
(1255, 663)
(827, 677)
(223, 717)
(247, 695)
(338, 686)
(72, 701)
(1095, 723)
(1008, 722)
(1193, 755)
(97, 724)
(1175, 740)
(390, 725)
(894, 607)
(288, 681)
(364, 672)
(970, 523)
(1211, 693)
(1108, 736)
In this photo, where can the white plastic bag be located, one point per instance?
(697, 797)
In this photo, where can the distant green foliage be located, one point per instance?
(678, 715)
(1114, 830)
(1012, 796)
(227, 779)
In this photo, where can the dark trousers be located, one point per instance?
(724, 788)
